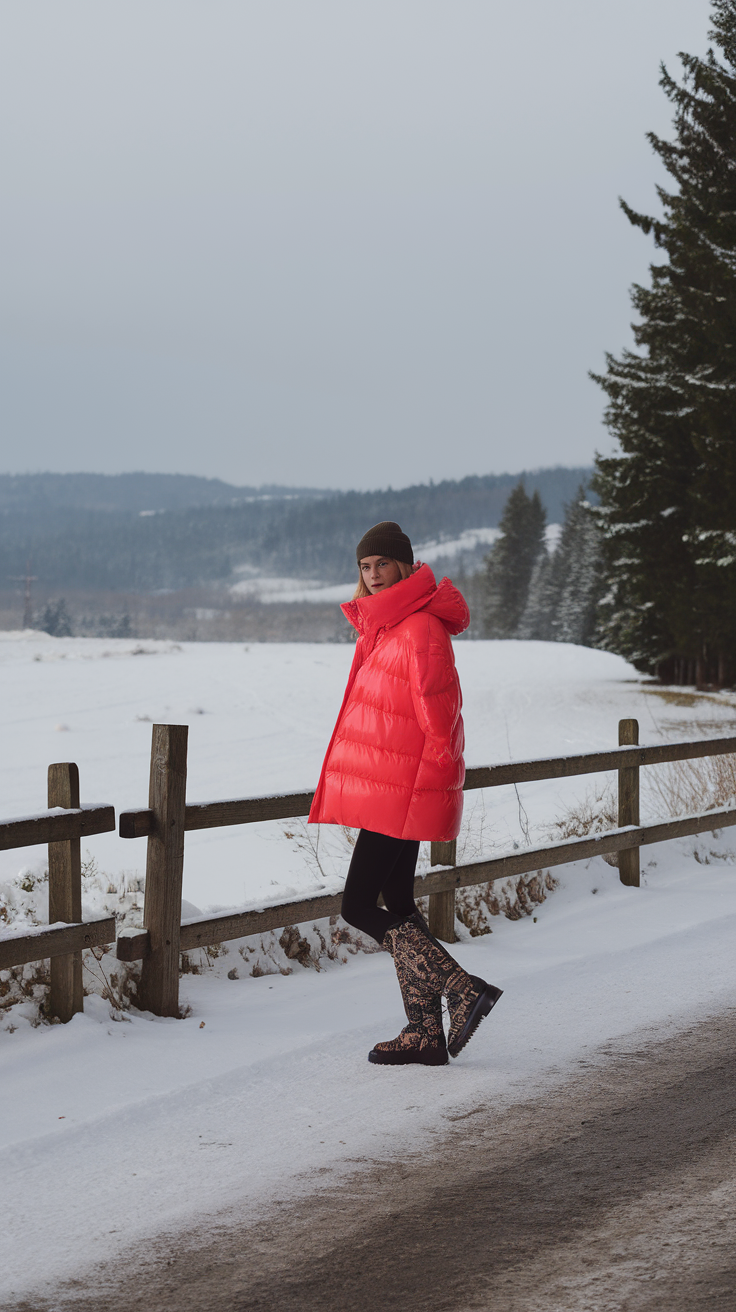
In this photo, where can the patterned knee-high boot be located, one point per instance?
(469, 998)
(422, 1041)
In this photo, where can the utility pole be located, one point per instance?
(26, 579)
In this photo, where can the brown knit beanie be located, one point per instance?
(386, 539)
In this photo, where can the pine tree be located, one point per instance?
(536, 621)
(511, 561)
(566, 586)
(56, 619)
(577, 575)
(668, 502)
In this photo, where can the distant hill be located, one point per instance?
(131, 492)
(148, 532)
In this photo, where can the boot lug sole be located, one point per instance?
(484, 1004)
(431, 1057)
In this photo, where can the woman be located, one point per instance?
(394, 770)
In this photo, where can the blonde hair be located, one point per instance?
(362, 590)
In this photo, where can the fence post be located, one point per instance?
(442, 905)
(65, 894)
(159, 987)
(628, 803)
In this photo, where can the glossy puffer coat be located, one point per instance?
(395, 761)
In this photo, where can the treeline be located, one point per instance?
(72, 542)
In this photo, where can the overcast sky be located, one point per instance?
(344, 243)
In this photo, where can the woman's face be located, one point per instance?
(379, 573)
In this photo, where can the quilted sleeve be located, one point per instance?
(435, 688)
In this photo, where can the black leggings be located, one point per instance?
(380, 865)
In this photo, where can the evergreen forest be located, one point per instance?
(667, 510)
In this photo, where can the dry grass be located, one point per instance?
(686, 787)
(679, 696)
(702, 728)
(593, 813)
(512, 898)
(675, 789)
(113, 980)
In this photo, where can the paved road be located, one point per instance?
(611, 1193)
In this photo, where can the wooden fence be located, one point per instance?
(62, 827)
(168, 816)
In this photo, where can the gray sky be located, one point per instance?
(344, 243)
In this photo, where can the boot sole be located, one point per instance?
(425, 1057)
(483, 1004)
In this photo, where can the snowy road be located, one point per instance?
(615, 1190)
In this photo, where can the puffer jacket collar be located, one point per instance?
(369, 615)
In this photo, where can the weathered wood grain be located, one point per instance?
(215, 815)
(159, 986)
(47, 827)
(135, 824)
(442, 905)
(571, 849)
(133, 946)
(628, 805)
(247, 810)
(217, 929)
(66, 997)
(614, 758)
(42, 943)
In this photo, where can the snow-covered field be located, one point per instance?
(259, 720)
(131, 1127)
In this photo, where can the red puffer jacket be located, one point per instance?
(395, 760)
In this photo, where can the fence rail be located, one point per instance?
(59, 941)
(54, 827)
(286, 806)
(613, 758)
(215, 815)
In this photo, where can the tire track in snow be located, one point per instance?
(614, 1190)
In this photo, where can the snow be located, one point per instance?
(552, 536)
(438, 549)
(269, 590)
(21, 929)
(470, 539)
(134, 1126)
